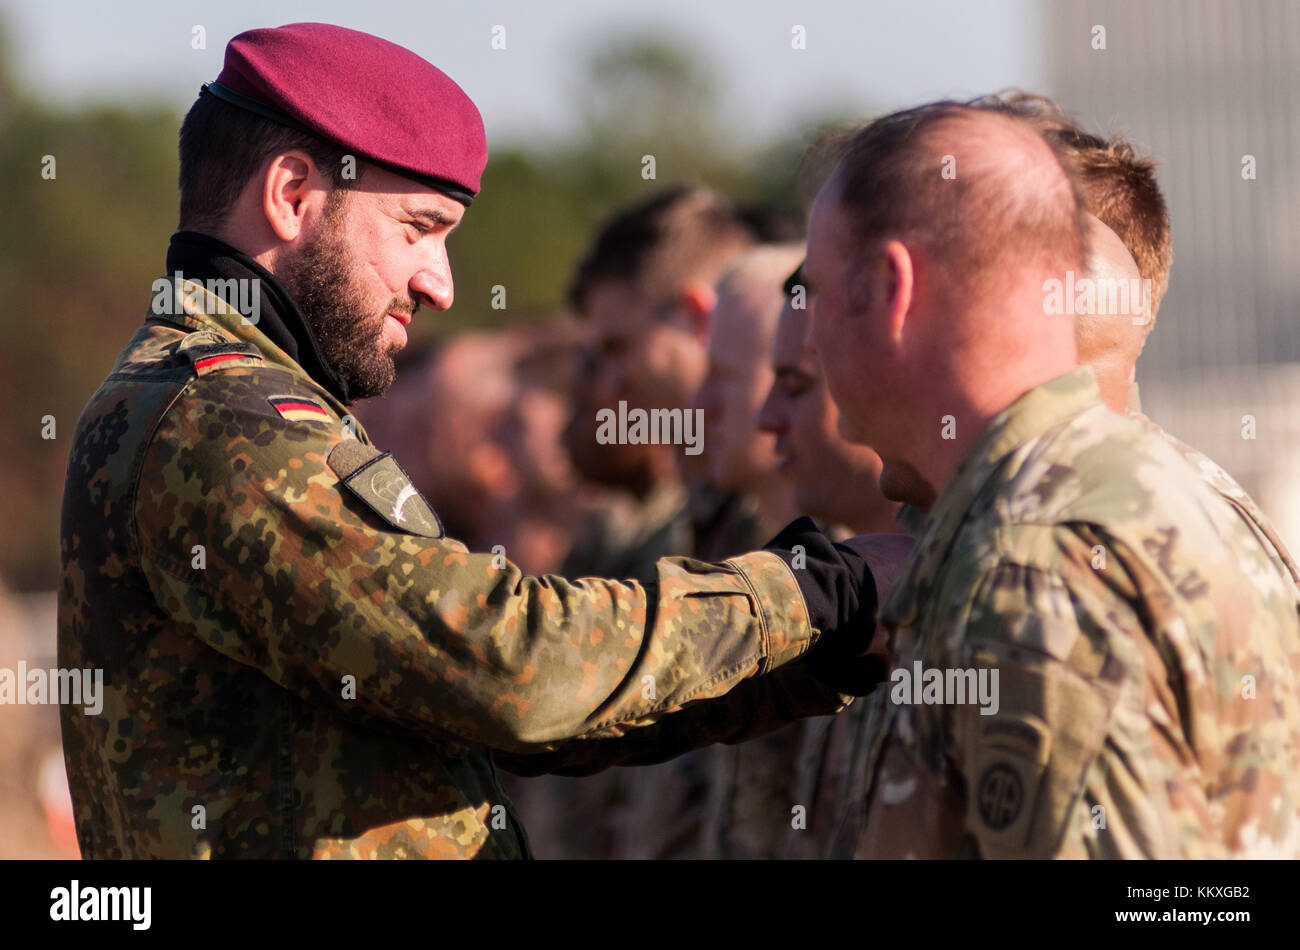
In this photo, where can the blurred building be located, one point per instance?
(1200, 85)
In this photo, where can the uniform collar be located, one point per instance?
(1030, 417)
(199, 268)
(1038, 411)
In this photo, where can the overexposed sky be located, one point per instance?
(861, 54)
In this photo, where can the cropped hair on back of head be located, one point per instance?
(223, 146)
(1118, 184)
(925, 175)
(663, 243)
(1121, 189)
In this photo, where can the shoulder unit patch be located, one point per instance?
(377, 479)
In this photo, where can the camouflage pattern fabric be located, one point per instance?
(664, 811)
(297, 663)
(652, 811)
(772, 797)
(1148, 703)
(1238, 498)
(570, 818)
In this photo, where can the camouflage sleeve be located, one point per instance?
(755, 708)
(300, 551)
(1062, 763)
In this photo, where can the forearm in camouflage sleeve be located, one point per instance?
(754, 708)
(307, 583)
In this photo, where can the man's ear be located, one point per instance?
(898, 287)
(287, 194)
(698, 300)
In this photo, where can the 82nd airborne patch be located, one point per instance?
(299, 408)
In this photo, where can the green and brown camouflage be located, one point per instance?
(297, 663)
(775, 796)
(669, 798)
(667, 811)
(1147, 646)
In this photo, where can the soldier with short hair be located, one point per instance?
(1094, 657)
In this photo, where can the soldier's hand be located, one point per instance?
(885, 554)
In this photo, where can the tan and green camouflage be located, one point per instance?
(1236, 496)
(663, 812)
(1147, 646)
(298, 664)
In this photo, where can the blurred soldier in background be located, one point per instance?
(549, 503)
(759, 783)
(741, 458)
(443, 416)
(834, 480)
(1111, 341)
(646, 294)
(679, 797)
(480, 420)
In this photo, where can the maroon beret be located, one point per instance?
(370, 96)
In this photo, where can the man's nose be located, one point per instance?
(770, 419)
(432, 284)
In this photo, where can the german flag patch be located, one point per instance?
(299, 408)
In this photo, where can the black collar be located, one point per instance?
(203, 257)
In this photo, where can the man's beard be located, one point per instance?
(350, 338)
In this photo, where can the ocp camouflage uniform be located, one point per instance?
(1236, 496)
(1147, 648)
(297, 663)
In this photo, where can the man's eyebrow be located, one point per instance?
(434, 216)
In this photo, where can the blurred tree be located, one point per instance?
(81, 240)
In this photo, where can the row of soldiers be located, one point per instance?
(682, 302)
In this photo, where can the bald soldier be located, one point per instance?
(686, 800)
(1092, 656)
(741, 456)
(297, 661)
